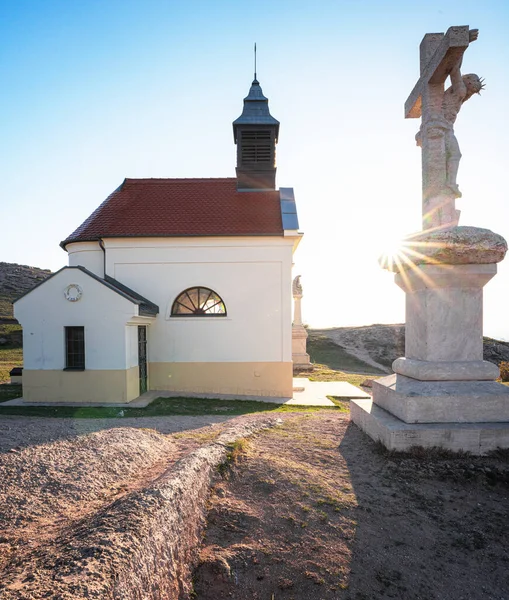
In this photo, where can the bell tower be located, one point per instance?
(256, 134)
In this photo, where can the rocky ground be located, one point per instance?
(309, 509)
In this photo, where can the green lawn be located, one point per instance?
(160, 407)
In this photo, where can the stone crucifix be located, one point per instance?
(441, 56)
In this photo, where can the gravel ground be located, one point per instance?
(20, 432)
(91, 516)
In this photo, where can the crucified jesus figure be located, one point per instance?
(462, 88)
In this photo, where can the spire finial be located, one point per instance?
(255, 61)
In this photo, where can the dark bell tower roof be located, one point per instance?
(256, 134)
(256, 111)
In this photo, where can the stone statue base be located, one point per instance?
(301, 360)
(395, 434)
(442, 393)
(415, 401)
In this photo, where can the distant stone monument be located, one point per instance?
(442, 392)
(300, 357)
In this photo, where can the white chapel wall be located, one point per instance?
(252, 275)
(44, 312)
(88, 255)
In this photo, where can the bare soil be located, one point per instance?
(311, 509)
(316, 510)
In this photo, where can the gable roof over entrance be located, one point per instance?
(182, 207)
(146, 307)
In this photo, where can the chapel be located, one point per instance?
(182, 285)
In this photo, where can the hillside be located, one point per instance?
(377, 346)
(15, 280)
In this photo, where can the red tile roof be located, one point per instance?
(182, 207)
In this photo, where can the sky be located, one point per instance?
(94, 91)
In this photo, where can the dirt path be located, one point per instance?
(316, 510)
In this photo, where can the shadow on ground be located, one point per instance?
(315, 510)
(428, 526)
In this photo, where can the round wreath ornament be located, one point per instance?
(73, 292)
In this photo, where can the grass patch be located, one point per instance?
(235, 450)
(7, 329)
(6, 306)
(9, 358)
(202, 438)
(324, 351)
(160, 407)
(9, 391)
(324, 373)
(343, 405)
(11, 353)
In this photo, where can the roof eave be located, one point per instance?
(171, 235)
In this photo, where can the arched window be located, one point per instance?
(198, 302)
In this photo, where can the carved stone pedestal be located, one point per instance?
(300, 357)
(442, 393)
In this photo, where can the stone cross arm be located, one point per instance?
(439, 53)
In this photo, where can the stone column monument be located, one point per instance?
(442, 392)
(299, 334)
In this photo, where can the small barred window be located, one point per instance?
(75, 348)
(198, 302)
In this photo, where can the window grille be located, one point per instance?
(198, 302)
(75, 348)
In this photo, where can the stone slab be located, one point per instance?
(415, 401)
(314, 393)
(139, 402)
(338, 389)
(394, 434)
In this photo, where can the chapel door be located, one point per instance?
(142, 357)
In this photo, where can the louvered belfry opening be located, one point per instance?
(257, 148)
(256, 133)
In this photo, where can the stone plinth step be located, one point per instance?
(395, 434)
(416, 401)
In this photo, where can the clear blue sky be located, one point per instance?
(95, 91)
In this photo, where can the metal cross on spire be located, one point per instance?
(255, 60)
